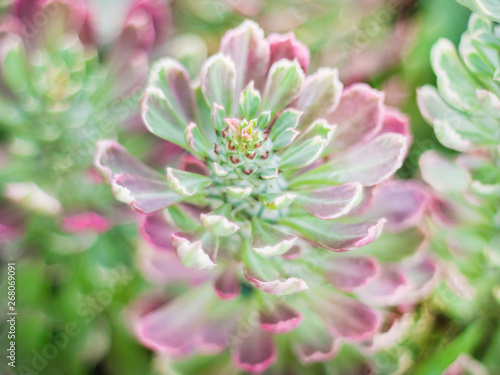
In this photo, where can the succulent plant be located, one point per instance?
(464, 111)
(279, 154)
(61, 92)
(279, 168)
(484, 8)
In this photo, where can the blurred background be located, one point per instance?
(77, 77)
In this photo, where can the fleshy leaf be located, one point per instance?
(331, 202)
(282, 86)
(288, 119)
(221, 325)
(269, 241)
(277, 201)
(487, 8)
(161, 119)
(184, 217)
(145, 195)
(156, 231)
(238, 193)
(441, 173)
(186, 183)
(285, 139)
(249, 50)
(423, 278)
(169, 103)
(133, 182)
(402, 203)
(309, 148)
(333, 235)
(173, 328)
(112, 158)
(312, 342)
(269, 174)
(369, 163)
(219, 171)
(227, 284)
(456, 85)
(395, 121)
(249, 102)
(348, 318)
(197, 249)
(256, 353)
(263, 276)
(264, 119)
(218, 115)
(482, 174)
(218, 80)
(195, 142)
(286, 46)
(388, 289)
(280, 318)
(219, 222)
(283, 131)
(348, 274)
(319, 95)
(452, 128)
(358, 115)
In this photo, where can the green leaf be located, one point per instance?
(238, 192)
(288, 119)
(195, 142)
(218, 80)
(183, 219)
(302, 154)
(161, 119)
(269, 241)
(285, 139)
(264, 119)
(218, 116)
(283, 132)
(452, 128)
(219, 222)
(277, 201)
(455, 83)
(186, 183)
(282, 87)
(197, 249)
(249, 102)
(263, 274)
(486, 8)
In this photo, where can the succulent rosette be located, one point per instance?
(60, 91)
(279, 168)
(464, 111)
(279, 155)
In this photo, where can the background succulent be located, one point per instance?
(464, 113)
